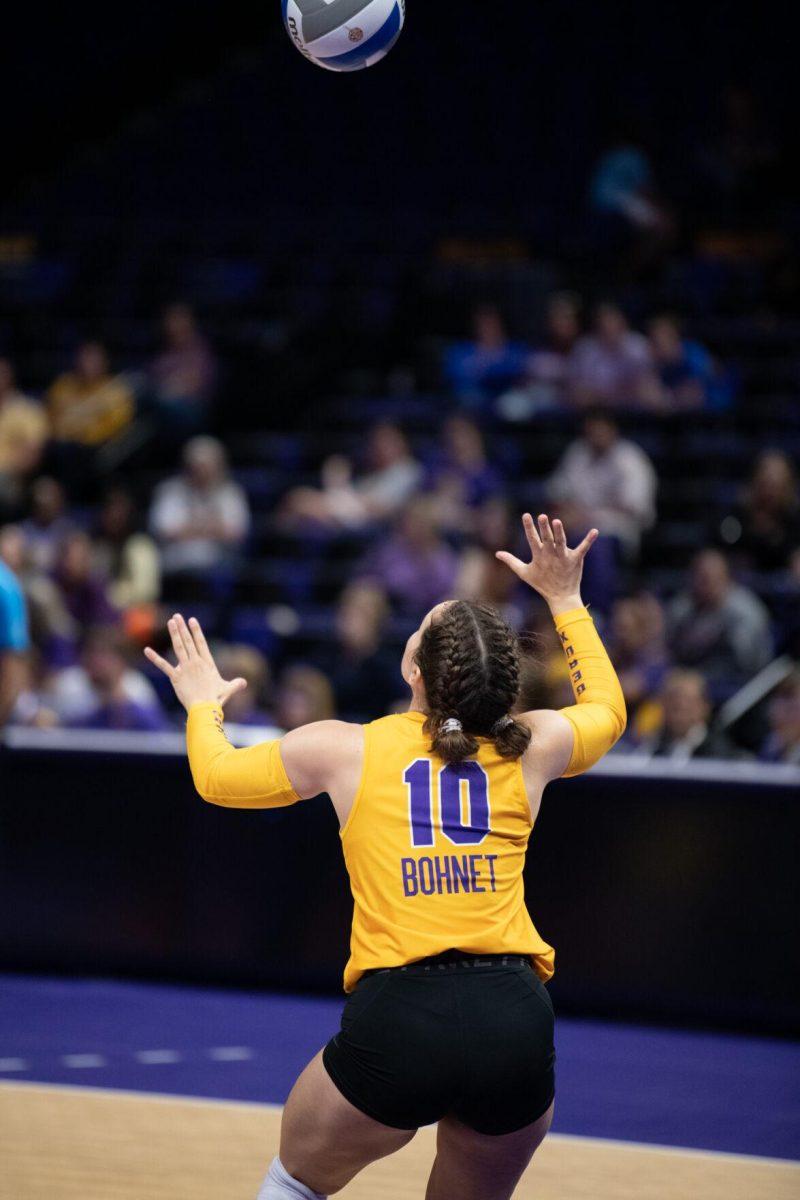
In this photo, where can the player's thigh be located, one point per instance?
(480, 1166)
(325, 1140)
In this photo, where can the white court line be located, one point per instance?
(230, 1053)
(154, 1058)
(14, 1064)
(568, 1138)
(84, 1061)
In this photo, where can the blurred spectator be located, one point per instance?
(683, 375)
(416, 567)
(201, 517)
(23, 435)
(544, 384)
(103, 686)
(82, 590)
(609, 365)
(53, 629)
(88, 405)
(344, 503)
(304, 695)
(685, 732)
(638, 650)
(14, 639)
(633, 224)
(364, 673)
(481, 577)
(477, 371)
(183, 374)
(783, 741)
(250, 706)
(124, 555)
(765, 531)
(461, 478)
(31, 709)
(719, 627)
(606, 481)
(47, 526)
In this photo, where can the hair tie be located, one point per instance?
(452, 725)
(502, 724)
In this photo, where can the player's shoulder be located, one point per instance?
(552, 740)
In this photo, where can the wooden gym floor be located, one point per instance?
(93, 1144)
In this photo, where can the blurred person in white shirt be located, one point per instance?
(201, 517)
(607, 481)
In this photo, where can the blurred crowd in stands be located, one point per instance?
(97, 562)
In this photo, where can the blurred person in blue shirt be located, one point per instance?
(684, 374)
(14, 640)
(480, 369)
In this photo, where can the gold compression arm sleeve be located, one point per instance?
(251, 778)
(598, 717)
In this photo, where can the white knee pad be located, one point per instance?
(279, 1185)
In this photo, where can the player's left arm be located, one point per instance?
(572, 740)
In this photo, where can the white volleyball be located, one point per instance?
(344, 35)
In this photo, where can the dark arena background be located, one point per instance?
(291, 351)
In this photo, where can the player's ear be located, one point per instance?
(414, 675)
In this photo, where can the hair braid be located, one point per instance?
(469, 660)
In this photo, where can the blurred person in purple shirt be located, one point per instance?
(545, 384)
(461, 478)
(415, 566)
(609, 365)
(104, 663)
(184, 373)
(47, 526)
(83, 591)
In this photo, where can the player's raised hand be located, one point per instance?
(554, 570)
(195, 676)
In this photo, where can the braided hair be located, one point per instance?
(469, 660)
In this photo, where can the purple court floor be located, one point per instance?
(710, 1091)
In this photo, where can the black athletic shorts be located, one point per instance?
(450, 1035)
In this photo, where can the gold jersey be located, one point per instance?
(435, 854)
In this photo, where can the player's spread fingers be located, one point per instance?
(159, 662)
(531, 532)
(177, 640)
(200, 642)
(545, 532)
(559, 534)
(587, 542)
(516, 564)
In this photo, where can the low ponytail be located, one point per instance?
(449, 740)
(513, 739)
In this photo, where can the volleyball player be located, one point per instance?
(447, 1018)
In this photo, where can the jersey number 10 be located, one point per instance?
(418, 779)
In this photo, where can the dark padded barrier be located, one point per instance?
(667, 899)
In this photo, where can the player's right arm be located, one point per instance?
(572, 740)
(321, 757)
